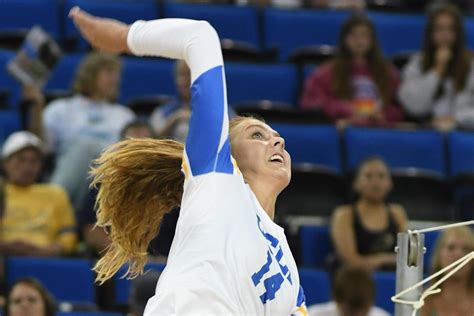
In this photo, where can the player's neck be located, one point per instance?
(265, 196)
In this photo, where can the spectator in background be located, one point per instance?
(29, 297)
(137, 129)
(142, 289)
(38, 218)
(439, 81)
(365, 233)
(79, 127)
(96, 237)
(359, 86)
(171, 120)
(353, 293)
(457, 292)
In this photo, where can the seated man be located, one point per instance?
(38, 219)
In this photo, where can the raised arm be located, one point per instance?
(207, 146)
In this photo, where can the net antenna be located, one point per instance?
(410, 249)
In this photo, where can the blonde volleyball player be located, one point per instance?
(228, 257)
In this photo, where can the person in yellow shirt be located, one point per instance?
(38, 219)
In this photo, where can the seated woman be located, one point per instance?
(438, 83)
(359, 86)
(457, 292)
(365, 233)
(29, 297)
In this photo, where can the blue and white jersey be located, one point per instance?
(228, 257)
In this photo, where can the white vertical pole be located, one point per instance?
(410, 250)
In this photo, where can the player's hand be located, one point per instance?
(106, 35)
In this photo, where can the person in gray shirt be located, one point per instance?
(439, 81)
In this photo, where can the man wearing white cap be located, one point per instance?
(38, 219)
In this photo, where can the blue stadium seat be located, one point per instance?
(398, 32)
(9, 122)
(63, 73)
(316, 285)
(417, 162)
(122, 285)
(316, 245)
(288, 30)
(461, 153)
(400, 148)
(430, 243)
(6, 80)
(230, 22)
(23, 14)
(385, 285)
(469, 25)
(316, 187)
(67, 279)
(308, 70)
(252, 82)
(146, 77)
(127, 11)
(315, 144)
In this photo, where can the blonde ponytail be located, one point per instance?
(139, 180)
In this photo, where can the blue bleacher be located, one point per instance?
(316, 245)
(469, 26)
(127, 11)
(461, 152)
(146, 77)
(305, 143)
(9, 122)
(292, 29)
(230, 22)
(423, 149)
(251, 82)
(62, 277)
(384, 289)
(23, 14)
(316, 285)
(398, 33)
(64, 72)
(122, 285)
(6, 80)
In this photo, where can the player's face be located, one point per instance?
(24, 300)
(373, 181)
(455, 247)
(23, 167)
(260, 153)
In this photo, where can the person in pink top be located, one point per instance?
(359, 85)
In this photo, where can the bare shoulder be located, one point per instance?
(342, 213)
(399, 214)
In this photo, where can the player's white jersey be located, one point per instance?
(228, 257)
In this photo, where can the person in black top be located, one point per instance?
(365, 233)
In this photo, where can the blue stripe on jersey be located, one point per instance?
(206, 125)
(224, 162)
(301, 299)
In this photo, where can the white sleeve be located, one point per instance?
(194, 41)
(198, 44)
(464, 105)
